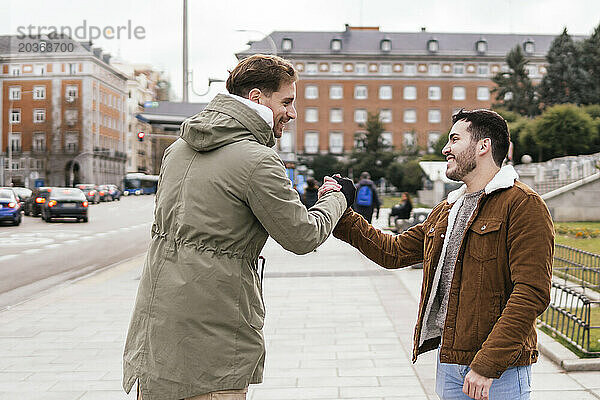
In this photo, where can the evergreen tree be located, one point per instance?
(371, 153)
(515, 91)
(590, 61)
(566, 81)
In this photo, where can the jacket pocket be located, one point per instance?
(483, 239)
(257, 308)
(490, 312)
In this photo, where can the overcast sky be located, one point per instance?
(213, 39)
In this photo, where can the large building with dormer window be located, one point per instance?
(415, 81)
(63, 108)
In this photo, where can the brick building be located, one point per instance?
(63, 112)
(416, 81)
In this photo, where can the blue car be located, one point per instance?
(10, 209)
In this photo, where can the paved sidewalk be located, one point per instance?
(338, 327)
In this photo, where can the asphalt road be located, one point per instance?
(37, 255)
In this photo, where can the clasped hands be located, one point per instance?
(338, 184)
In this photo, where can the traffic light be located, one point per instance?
(141, 136)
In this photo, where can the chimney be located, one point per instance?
(106, 58)
(423, 29)
(97, 52)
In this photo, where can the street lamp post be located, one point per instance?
(210, 82)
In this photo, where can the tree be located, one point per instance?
(323, 164)
(564, 130)
(566, 81)
(590, 62)
(407, 176)
(371, 153)
(521, 135)
(515, 91)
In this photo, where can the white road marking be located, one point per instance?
(7, 257)
(31, 251)
(99, 234)
(86, 237)
(53, 245)
(71, 241)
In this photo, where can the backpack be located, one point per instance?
(364, 197)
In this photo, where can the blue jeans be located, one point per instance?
(513, 384)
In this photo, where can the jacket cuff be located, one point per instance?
(344, 226)
(485, 368)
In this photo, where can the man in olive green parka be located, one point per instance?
(197, 323)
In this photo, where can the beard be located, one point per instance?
(465, 163)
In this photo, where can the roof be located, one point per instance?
(169, 113)
(357, 42)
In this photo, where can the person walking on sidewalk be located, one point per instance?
(487, 256)
(196, 328)
(366, 197)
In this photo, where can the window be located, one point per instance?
(434, 69)
(458, 93)
(39, 92)
(385, 69)
(14, 93)
(39, 115)
(72, 68)
(410, 92)
(15, 141)
(432, 139)
(483, 93)
(434, 93)
(311, 115)
(71, 92)
(286, 141)
(71, 117)
(434, 116)
(385, 116)
(483, 69)
(336, 142)
(15, 116)
(40, 69)
(311, 92)
(481, 46)
(529, 47)
(410, 69)
(360, 92)
(311, 68)
(433, 46)
(385, 92)
(336, 92)
(387, 139)
(408, 139)
(360, 115)
(410, 116)
(459, 69)
(39, 164)
(508, 96)
(385, 45)
(286, 44)
(311, 142)
(336, 115)
(361, 68)
(15, 70)
(336, 45)
(39, 141)
(336, 68)
(71, 142)
(531, 70)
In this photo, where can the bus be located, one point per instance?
(137, 183)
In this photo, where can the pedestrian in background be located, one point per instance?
(487, 266)
(366, 197)
(310, 196)
(402, 210)
(196, 329)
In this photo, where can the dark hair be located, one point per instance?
(487, 124)
(264, 72)
(365, 175)
(407, 198)
(312, 183)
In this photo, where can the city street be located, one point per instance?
(37, 255)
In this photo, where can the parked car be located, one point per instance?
(37, 198)
(22, 194)
(91, 192)
(104, 194)
(115, 192)
(10, 210)
(66, 203)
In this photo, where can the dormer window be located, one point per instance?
(385, 45)
(286, 44)
(433, 46)
(481, 46)
(529, 46)
(336, 45)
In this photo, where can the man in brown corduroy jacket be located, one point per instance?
(487, 265)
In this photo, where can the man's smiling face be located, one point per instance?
(460, 152)
(282, 105)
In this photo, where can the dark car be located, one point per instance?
(65, 203)
(104, 193)
(115, 192)
(22, 194)
(34, 202)
(10, 210)
(91, 192)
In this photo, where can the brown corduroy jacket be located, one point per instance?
(501, 280)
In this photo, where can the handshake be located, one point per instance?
(339, 184)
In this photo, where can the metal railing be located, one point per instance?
(578, 266)
(569, 316)
(552, 184)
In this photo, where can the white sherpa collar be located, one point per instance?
(505, 178)
(263, 111)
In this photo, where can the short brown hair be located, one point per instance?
(264, 72)
(487, 124)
